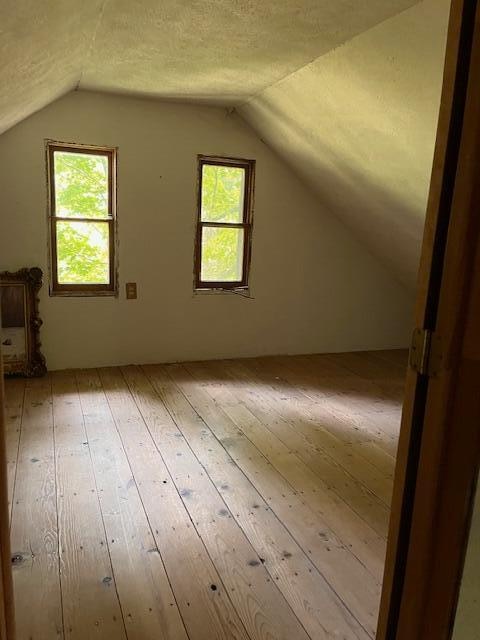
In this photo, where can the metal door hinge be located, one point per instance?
(426, 352)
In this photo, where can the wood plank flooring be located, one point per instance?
(237, 499)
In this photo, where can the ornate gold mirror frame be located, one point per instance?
(21, 323)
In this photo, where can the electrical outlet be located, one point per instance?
(131, 289)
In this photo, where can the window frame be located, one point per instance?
(246, 224)
(82, 289)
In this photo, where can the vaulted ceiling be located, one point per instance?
(322, 82)
(358, 125)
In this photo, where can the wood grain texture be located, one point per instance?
(202, 597)
(13, 423)
(343, 572)
(290, 565)
(203, 501)
(90, 601)
(313, 428)
(142, 584)
(34, 529)
(7, 613)
(254, 594)
(309, 471)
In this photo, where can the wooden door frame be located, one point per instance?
(439, 448)
(7, 631)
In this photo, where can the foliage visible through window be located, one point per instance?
(224, 223)
(82, 218)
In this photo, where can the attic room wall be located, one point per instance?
(314, 287)
(358, 125)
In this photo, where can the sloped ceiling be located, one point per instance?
(42, 45)
(347, 92)
(359, 125)
(219, 51)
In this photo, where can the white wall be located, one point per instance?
(359, 123)
(314, 287)
(467, 620)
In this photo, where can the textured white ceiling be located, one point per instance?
(42, 45)
(358, 125)
(218, 51)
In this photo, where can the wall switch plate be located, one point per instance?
(131, 289)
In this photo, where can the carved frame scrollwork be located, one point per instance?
(32, 279)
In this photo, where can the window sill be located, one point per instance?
(83, 294)
(244, 292)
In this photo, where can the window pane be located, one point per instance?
(83, 252)
(222, 193)
(222, 255)
(81, 185)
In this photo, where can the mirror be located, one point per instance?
(20, 322)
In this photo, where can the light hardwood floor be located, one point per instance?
(237, 499)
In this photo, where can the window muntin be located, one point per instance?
(82, 219)
(224, 223)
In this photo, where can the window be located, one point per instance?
(82, 219)
(224, 227)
